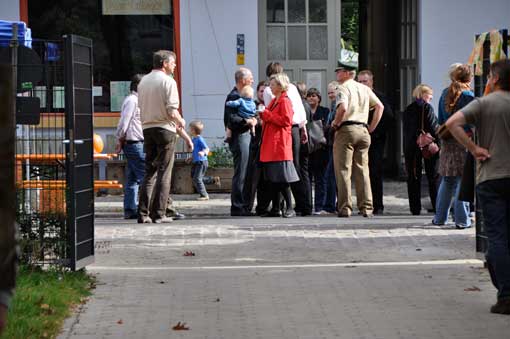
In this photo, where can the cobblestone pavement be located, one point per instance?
(316, 277)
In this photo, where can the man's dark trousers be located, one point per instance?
(301, 189)
(159, 160)
(240, 148)
(376, 167)
(494, 197)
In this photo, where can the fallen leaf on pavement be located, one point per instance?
(120, 322)
(472, 289)
(189, 254)
(180, 327)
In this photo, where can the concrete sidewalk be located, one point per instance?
(393, 276)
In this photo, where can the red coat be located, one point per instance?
(276, 136)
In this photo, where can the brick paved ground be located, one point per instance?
(315, 277)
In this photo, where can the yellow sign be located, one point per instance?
(136, 7)
(240, 59)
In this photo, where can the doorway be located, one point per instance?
(302, 35)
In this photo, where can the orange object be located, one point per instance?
(52, 200)
(488, 90)
(98, 143)
(61, 157)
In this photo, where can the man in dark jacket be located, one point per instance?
(7, 194)
(378, 142)
(239, 144)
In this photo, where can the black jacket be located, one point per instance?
(412, 121)
(387, 118)
(231, 119)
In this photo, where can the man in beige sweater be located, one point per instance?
(158, 99)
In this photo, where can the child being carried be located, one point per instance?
(246, 109)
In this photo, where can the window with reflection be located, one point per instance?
(297, 30)
(122, 44)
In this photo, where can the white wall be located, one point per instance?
(9, 10)
(447, 34)
(209, 31)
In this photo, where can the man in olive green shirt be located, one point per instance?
(491, 117)
(352, 140)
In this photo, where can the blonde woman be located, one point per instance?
(414, 161)
(276, 148)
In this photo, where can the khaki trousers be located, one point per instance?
(350, 156)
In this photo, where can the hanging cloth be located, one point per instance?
(497, 52)
(476, 57)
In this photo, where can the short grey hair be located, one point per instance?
(241, 74)
(281, 80)
(161, 56)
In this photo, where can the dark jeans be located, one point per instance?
(318, 164)
(494, 196)
(301, 189)
(135, 171)
(240, 148)
(330, 197)
(198, 170)
(159, 160)
(252, 175)
(376, 167)
(414, 167)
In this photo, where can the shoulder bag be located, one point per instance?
(425, 141)
(316, 138)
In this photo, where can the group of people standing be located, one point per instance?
(445, 169)
(147, 133)
(277, 163)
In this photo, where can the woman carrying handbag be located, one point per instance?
(419, 119)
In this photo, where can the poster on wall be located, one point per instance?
(314, 80)
(118, 91)
(136, 7)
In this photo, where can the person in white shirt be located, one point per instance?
(130, 141)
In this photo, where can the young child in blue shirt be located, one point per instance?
(246, 109)
(199, 161)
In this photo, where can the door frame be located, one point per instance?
(300, 67)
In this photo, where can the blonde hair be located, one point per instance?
(335, 85)
(422, 89)
(281, 80)
(197, 126)
(246, 92)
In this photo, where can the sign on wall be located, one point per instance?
(136, 7)
(118, 91)
(240, 49)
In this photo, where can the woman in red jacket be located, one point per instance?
(276, 147)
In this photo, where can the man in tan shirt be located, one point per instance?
(158, 99)
(352, 140)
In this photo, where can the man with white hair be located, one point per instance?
(239, 144)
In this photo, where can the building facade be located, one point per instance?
(404, 42)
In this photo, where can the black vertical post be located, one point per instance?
(7, 167)
(70, 149)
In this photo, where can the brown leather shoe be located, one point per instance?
(501, 307)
